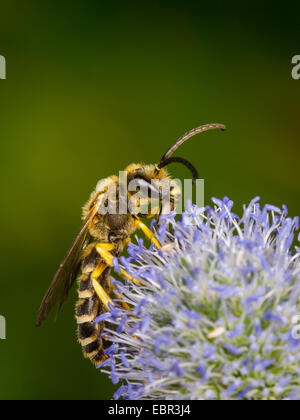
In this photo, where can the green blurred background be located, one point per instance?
(92, 86)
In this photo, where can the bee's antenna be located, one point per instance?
(184, 162)
(187, 136)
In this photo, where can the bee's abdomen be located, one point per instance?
(88, 308)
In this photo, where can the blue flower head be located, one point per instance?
(212, 317)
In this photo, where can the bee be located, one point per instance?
(102, 237)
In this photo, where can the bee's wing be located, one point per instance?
(65, 275)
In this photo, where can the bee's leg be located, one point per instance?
(127, 240)
(150, 235)
(103, 296)
(124, 304)
(103, 250)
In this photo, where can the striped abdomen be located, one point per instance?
(88, 308)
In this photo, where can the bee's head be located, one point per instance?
(147, 189)
(150, 188)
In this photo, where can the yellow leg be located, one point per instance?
(124, 304)
(150, 235)
(103, 296)
(106, 246)
(103, 250)
(127, 241)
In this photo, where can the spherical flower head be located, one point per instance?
(214, 314)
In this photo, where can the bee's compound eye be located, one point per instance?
(141, 185)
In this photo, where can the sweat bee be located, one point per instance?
(102, 237)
